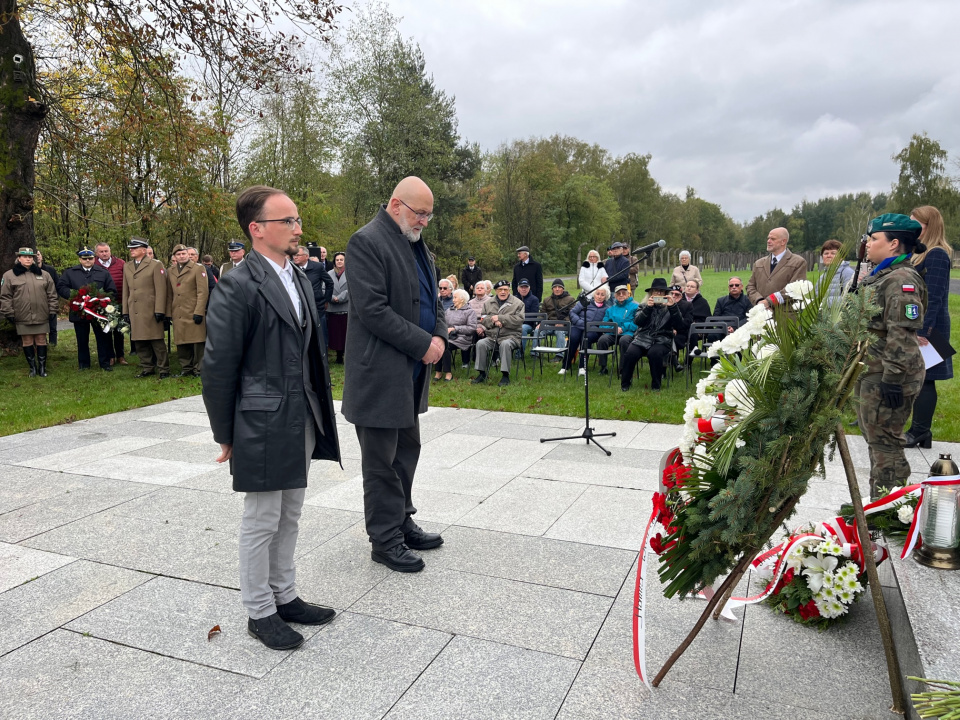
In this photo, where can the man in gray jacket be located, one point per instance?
(395, 331)
(266, 387)
(501, 326)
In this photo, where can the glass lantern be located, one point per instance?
(939, 521)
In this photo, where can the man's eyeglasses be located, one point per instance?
(735, 284)
(288, 221)
(420, 215)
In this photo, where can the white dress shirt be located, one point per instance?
(285, 274)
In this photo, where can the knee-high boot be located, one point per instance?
(42, 360)
(29, 354)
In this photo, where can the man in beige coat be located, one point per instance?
(187, 306)
(773, 272)
(145, 307)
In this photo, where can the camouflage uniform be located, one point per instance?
(894, 357)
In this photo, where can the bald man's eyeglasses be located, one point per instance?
(420, 215)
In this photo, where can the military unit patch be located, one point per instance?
(908, 288)
(912, 311)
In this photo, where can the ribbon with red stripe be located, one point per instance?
(914, 536)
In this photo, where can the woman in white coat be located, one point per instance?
(592, 273)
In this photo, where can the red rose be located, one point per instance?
(788, 576)
(809, 610)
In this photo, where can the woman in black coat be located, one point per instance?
(934, 266)
(657, 319)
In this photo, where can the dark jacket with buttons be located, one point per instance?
(253, 378)
(74, 278)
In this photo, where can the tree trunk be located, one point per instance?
(21, 114)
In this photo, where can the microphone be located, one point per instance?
(649, 248)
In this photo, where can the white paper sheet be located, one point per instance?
(930, 356)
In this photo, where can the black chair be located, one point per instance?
(604, 327)
(533, 319)
(542, 349)
(698, 337)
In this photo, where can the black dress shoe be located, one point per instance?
(143, 374)
(106, 368)
(479, 379)
(274, 633)
(924, 440)
(504, 381)
(304, 613)
(399, 558)
(604, 371)
(164, 376)
(416, 538)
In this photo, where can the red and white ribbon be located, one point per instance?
(914, 536)
(639, 607)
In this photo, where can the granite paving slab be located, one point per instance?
(56, 598)
(553, 563)
(183, 451)
(623, 460)
(19, 564)
(561, 622)
(173, 618)
(66, 675)
(536, 419)
(138, 468)
(76, 497)
(195, 419)
(641, 478)
(145, 428)
(655, 436)
(479, 679)
(853, 645)
(503, 456)
(613, 517)
(626, 431)
(65, 459)
(21, 486)
(356, 669)
(447, 452)
(463, 479)
(527, 506)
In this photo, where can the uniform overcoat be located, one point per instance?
(145, 293)
(384, 337)
(187, 296)
(253, 386)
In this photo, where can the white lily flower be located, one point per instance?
(814, 568)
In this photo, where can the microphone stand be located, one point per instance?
(588, 435)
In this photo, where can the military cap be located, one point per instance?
(137, 242)
(85, 252)
(178, 247)
(894, 222)
(500, 284)
(471, 259)
(235, 245)
(26, 251)
(523, 248)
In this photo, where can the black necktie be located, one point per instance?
(773, 263)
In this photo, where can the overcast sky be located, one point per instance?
(755, 103)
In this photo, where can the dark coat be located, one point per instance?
(655, 325)
(699, 306)
(320, 282)
(728, 305)
(74, 278)
(384, 337)
(935, 270)
(253, 387)
(618, 271)
(469, 278)
(591, 312)
(52, 271)
(531, 303)
(534, 275)
(558, 308)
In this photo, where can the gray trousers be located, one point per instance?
(268, 541)
(486, 345)
(389, 461)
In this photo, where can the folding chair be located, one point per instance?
(604, 327)
(542, 349)
(697, 336)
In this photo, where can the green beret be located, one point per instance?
(893, 222)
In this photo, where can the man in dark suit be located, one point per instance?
(266, 387)
(396, 330)
(470, 275)
(772, 273)
(529, 270)
(87, 274)
(319, 278)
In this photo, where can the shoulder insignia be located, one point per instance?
(161, 271)
(912, 311)
(908, 288)
(203, 274)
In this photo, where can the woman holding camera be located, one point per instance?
(657, 319)
(461, 325)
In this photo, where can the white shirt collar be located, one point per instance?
(780, 256)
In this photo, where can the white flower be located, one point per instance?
(108, 327)
(766, 350)
(905, 514)
(798, 289)
(739, 443)
(737, 395)
(815, 567)
(846, 596)
(852, 585)
(109, 308)
(830, 608)
(829, 547)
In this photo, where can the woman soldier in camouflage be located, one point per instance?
(894, 368)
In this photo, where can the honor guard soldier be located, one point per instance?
(237, 250)
(74, 278)
(187, 306)
(894, 367)
(145, 307)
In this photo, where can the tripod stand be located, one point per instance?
(587, 434)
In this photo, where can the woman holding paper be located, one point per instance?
(934, 267)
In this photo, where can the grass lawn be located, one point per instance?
(67, 394)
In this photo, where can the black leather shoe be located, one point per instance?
(399, 558)
(304, 613)
(479, 379)
(164, 376)
(143, 374)
(505, 380)
(416, 538)
(924, 440)
(274, 633)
